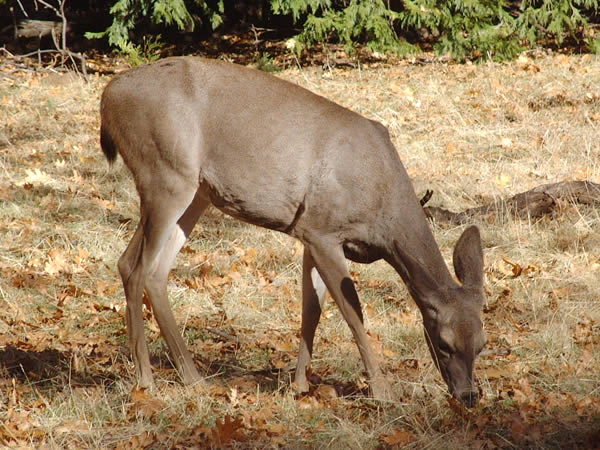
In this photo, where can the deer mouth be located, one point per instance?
(467, 395)
(469, 398)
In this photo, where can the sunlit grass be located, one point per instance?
(472, 134)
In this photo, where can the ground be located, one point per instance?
(471, 133)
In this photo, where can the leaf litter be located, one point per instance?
(470, 133)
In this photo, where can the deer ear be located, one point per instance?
(468, 259)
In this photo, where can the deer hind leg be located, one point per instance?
(313, 295)
(150, 253)
(331, 264)
(156, 288)
(133, 287)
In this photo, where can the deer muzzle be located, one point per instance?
(469, 398)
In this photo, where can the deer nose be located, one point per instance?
(469, 398)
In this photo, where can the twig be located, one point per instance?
(14, 22)
(61, 47)
(222, 334)
(22, 9)
(21, 67)
(49, 6)
(495, 352)
(38, 51)
(64, 24)
(10, 55)
(69, 53)
(256, 41)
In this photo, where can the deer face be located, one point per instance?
(451, 311)
(455, 337)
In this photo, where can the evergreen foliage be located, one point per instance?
(367, 21)
(463, 29)
(131, 15)
(555, 20)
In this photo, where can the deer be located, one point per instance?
(197, 132)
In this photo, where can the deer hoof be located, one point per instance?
(145, 382)
(193, 379)
(382, 391)
(300, 386)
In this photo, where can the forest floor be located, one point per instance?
(471, 133)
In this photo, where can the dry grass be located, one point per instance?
(471, 133)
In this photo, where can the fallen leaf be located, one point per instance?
(35, 177)
(503, 180)
(506, 143)
(249, 256)
(144, 404)
(233, 397)
(108, 205)
(56, 262)
(397, 437)
(458, 407)
(516, 269)
(228, 430)
(496, 373)
(308, 402)
(326, 392)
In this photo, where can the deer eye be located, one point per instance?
(445, 348)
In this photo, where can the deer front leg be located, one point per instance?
(331, 263)
(313, 295)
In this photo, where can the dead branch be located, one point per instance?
(30, 28)
(534, 203)
(222, 334)
(58, 32)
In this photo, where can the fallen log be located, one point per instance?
(534, 203)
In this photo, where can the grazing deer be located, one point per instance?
(194, 132)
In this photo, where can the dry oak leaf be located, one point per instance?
(228, 430)
(459, 408)
(144, 404)
(497, 373)
(515, 270)
(143, 440)
(308, 402)
(397, 437)
(326, 392)
(56, 262)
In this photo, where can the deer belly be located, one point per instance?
(256, 206)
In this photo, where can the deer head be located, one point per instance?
(452, 313)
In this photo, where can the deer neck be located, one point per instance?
(416, 257)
